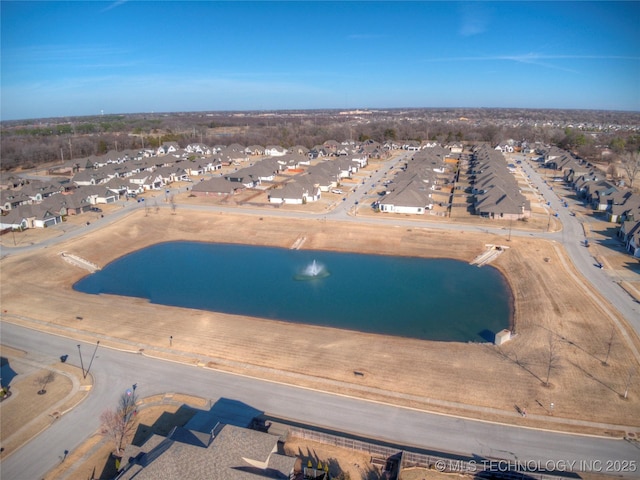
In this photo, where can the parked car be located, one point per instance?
(96, 209)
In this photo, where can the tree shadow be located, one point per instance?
(520, 362)
(595, 379)
(572, 343)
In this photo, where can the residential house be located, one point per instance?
(226, 452)
(598, 193)
(246, 176)
(412, 198)
(168, 147)
(172, 174)
(299, 150)
(629, 233)
(146, 180)
(217, 186)
(29, 216)
(275, 151)
(98, 194)
(10, 199)
(199, 148)
(496, 190)
(89, 177)
(254, 150)
(623, 206)
(297, 192)
(67, 204)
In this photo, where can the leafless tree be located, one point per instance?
(120, 424)
(44, 380)
(631, 165)
(552, 357)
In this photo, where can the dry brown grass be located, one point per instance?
(423, 374)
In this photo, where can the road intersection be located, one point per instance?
(115, 370)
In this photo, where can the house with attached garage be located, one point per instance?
(172, 174)
(598, 194)
(275, 151)
(325, 175)
(89, 177)
(98, 194)
(146, 180)
(297, 192)
(299, 150)
(360, 159)
(225, 452)
(68, 204)
(245, 176)
(168, 147)
(629, 234)
(254, 150)
(216, 186)
(29, 216)
(10, 199)
(495, 189)
(264, 171)
(498, 203)
(198, 148)
(623, 206)
(413, 198)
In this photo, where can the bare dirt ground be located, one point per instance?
(474, 379)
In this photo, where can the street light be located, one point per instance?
(81, 364)
(92, 357)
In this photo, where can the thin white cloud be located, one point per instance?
(113, 5)
(533, 59)
(474, 19)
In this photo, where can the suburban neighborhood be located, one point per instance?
(431, 180)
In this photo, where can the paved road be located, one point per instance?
(115, 371)
(572, 238)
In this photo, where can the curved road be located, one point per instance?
(114, 371)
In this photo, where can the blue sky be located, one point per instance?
(83, 58)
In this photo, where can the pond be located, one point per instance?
(430, 299)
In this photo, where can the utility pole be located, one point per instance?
(92, 357)
(81, 363)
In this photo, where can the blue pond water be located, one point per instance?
(431, 299)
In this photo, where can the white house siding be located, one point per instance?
(402, 209)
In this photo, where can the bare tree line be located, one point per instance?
(29, 145)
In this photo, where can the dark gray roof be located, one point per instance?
(234, 453)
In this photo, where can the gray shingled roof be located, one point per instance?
(234, 453)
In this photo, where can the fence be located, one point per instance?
(397, 458)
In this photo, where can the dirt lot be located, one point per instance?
(550, 302)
